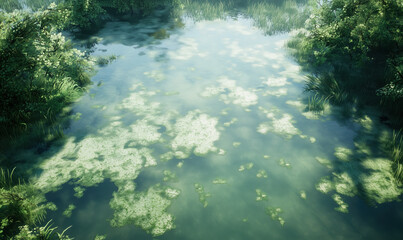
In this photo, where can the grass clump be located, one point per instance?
(22, 208)
(397, 155)
(316, 103)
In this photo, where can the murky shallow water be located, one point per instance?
(203, 136)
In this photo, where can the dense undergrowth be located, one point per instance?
(353, 50)
(40, 71)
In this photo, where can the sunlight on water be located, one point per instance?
(204, 135)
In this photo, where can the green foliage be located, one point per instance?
(316, 103)
(105, 60)
(40, 72)
(269, 16)
(359, 44)
(282, 16)
(21, 206)
(11, 5)
(87, 14)
(396, 152)
(326, 86)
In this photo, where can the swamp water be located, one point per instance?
(201, 133)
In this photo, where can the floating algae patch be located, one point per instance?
(244, 167)
(100, 237)
(343, 154)
(282, 126)
(79, 191)
(69, 210)
(274, 212)
(302, 194)
(229, 92)
(261, 174)
(143, 209)
(379, 183)
(283, 163)
(180, 164)
(202, 194)
(343, 207)
(158, 76)
(169, 176)
(76, 116)
(196, 132)
(302, 108)
(138, 102)
(172, 193)
(167, 156)
(221, 152)
(325, 162)
(171, 93)
(276, 81)
(277, 92)
(261, 196)
(143, 133)
(219, 181)
(325, 185)
(236, 144)
(344, 184)
(233, 120)
(96, 158)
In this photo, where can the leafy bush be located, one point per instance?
(359, 42)
(40, 72)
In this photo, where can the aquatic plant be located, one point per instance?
(229, 92)
(244, 167)
(380, 184)
(316, 104)
(274, 213)
(203, 195)
(260, 195)
(144, 209)
(261, 174)
(326, 88)
(69, 210)
(397, 154)
(271, 17)
(105, 60)
(343, 207)
(219, 181)
(302, 194)
(282, 126)
(283, 163)
(325, 162)
(169, 176)
(196, 132)
(343, 154)
(22, 207)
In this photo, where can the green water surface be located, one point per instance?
(201, 132)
